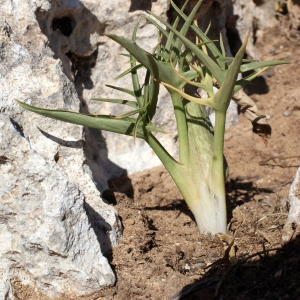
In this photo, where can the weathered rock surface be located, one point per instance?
(292, 226)
(253, 16)
(294, 14)
(46, 236)
(55, 229)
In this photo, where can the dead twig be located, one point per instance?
(281, 184)
(274, 158)
(265, 251)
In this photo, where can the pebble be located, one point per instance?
(129, 222)
(272, 50)
(287, 113)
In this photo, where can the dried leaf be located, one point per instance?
(251, 112)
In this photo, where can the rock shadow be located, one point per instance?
(101, 229)
(144, 5)
(69, 27)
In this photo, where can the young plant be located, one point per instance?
(200, 170)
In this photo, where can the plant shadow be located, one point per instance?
(269, 275)
(241, 190)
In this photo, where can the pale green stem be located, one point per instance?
(182, 129)
(183, 180)
(218, 171)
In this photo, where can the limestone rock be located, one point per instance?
(55, 228)
(294, 13)
(292, 226)
(253, 15)
(45, 231)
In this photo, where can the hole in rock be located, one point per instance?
(56, 157)
(17, 126)
(259, 2)
(3, 159)
(64, 24)
(109, 196)
(140, 5)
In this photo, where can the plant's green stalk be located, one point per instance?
(182, 130)
(198, 204)
(218, 171)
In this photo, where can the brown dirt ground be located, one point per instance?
(162, 255)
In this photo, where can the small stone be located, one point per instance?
(272, 50)
(129, 222)
(286, 113)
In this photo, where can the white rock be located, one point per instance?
(45, 229)
(254, 16)
(292, 226)
(55, 229)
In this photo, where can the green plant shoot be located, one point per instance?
(200, 170)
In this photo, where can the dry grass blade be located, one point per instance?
(251, 112)
(229, 257)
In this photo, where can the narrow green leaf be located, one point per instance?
(222, 45)
(224, 94)
(132, 69)
(183, 31)
(124, 54)
(230, 59)
(162, 30)
(165, 71)
(129, 114)
(121, 89)
(243, 82)
(211, 46)
(117, 101)
(122, 126)
(188, 21)
(262, 64)
(134, 76)
(207, 61)
(205, 43)
(139, 110)
(170, 40)
(102, 122)
(207, 29)
(136, 126)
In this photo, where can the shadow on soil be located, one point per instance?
(269, 275)
(240, 191)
